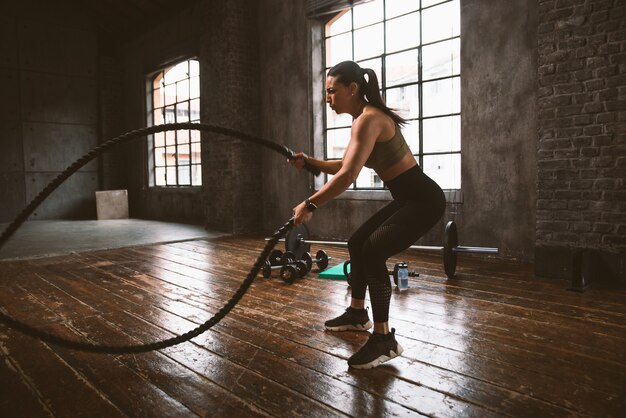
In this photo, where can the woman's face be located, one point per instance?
(339, 96)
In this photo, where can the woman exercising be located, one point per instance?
(418, 203)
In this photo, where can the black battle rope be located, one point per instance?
(54, 184)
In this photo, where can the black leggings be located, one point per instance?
(418, 204)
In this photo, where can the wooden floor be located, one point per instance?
(494, 342)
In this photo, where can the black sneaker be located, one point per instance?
(378, 349)
(351, 320)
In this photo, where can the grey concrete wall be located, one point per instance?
(498, 125)
(49, 108)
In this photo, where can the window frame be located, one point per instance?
(320, 67)
(193, 135)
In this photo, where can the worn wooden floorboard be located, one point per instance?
(496, 341)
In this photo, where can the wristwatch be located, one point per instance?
(310, 205)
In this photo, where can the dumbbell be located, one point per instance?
(321, 259)
(277, 260)
(290, 272)
(393, 273)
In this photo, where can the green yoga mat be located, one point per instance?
(334, 272)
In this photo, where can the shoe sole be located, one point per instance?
(363, 327)
(380, 360)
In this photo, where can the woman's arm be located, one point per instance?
(328, 167)
(363, 135)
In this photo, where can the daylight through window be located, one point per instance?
(414, 48)
(173, 97)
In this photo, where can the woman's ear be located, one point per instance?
(354, 88)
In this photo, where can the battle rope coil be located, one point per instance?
(140, 348)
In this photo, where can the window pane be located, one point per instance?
(170, 94)
(194, 135)
(158, 117)
(194, 87)
(170, 156)
(411, 131)
(182, 112)
(377, 65)
(157, 98)
(157, 81)
(336, 142)
(368, 42)
(444, 169)
(159, 176)
(170, 176)
(442, 97)
(368, 179)
(441, 59)
(159, 139)
(182, 137)
(170, 115)
(404, 100)
(195, 152)
(194, 68)
(442, 134)
(182, 154)
(368, 13)
(170, 138)
(169, 102)
(340, 23)
(195, 110)
(441, 22)
(402, 68)
(338, 48)
(403, 32)
(182, 90)
(184, 175)
(333, 120)
(177, 73)
(196, 175)
(395, 8)
(159, 157)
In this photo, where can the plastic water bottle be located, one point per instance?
(403, 276)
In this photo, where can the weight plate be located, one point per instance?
(306, 257)
(288, 258)
(288, 273)
(322, 259)
(275, 257)
(294, 238)
(301, 268)
(450, 240)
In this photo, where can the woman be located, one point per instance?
(418, 203)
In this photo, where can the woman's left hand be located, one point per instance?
(301, 214)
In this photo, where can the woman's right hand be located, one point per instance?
(298, 160)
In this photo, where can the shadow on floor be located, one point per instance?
(59, 237)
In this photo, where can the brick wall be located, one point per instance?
(229, 62)
(581, 193)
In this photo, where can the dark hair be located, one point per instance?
(349, 71)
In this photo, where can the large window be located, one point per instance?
(414, 47)
(173, 97)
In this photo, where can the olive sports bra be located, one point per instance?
(385, 154)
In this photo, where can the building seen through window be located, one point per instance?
(414, 48)
(173, 96)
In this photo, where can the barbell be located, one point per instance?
(298, 242)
